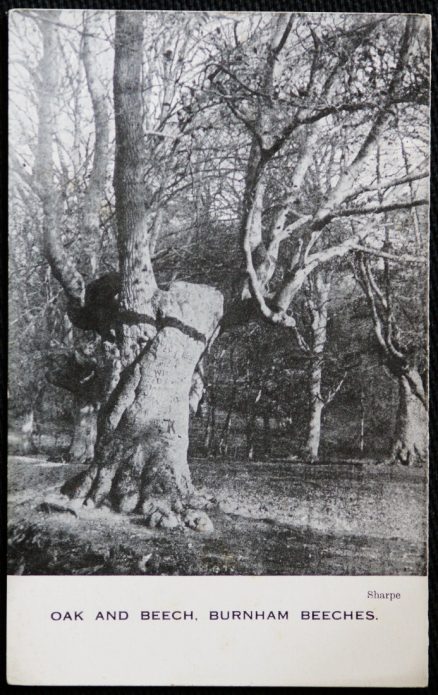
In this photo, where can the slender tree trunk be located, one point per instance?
(223, 442)
(226, 434)
(84, 432)
(250, 426)
(95, 192)
(316, 408)
(410, 445)
(362, 423)
(62, 266)
(267, 435)
(210, 431)
(318, 306)
(85, 411)
(27, 433)
(197, 389)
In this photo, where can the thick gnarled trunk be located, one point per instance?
(410, 445)
(141, 454)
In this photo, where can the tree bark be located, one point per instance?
(84, 432)
(141, 453)
(140, 461)
(84, 377)
(411, 430)
(27, 433)
(210, 431)
(95, 193)
(314, 425)
(62, 266)
(410, 446)
(250, 431)
(318, 306)
(267, 435)
(223, 441)
(362, 423)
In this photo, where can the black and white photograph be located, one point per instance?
(218, 293)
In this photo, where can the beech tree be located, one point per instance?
(396, 294)
(80, 185)
(365, 89)
(283, 87)
(401, 349)
(317, 302)
(141, 453)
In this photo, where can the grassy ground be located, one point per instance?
(273, 518)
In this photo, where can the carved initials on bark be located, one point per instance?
(170, 426)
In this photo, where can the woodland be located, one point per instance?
(218, 280)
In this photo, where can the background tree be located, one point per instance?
(357, 67)
(403, 353)
(71, 183)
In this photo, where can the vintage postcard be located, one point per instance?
(218, 348)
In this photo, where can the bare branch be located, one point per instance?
(336, 390)
(286, 293)
(330, 207)
(387, 183)
(276, 317)
(366, 284)
(376, 209)
(405, 258)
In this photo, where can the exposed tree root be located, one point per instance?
(161, 511)
(407, 455)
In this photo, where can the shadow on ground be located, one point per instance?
(273, 518)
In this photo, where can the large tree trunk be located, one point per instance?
(411, 438)
(140, 461)
(141, 454)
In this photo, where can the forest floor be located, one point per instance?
(277, 517)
